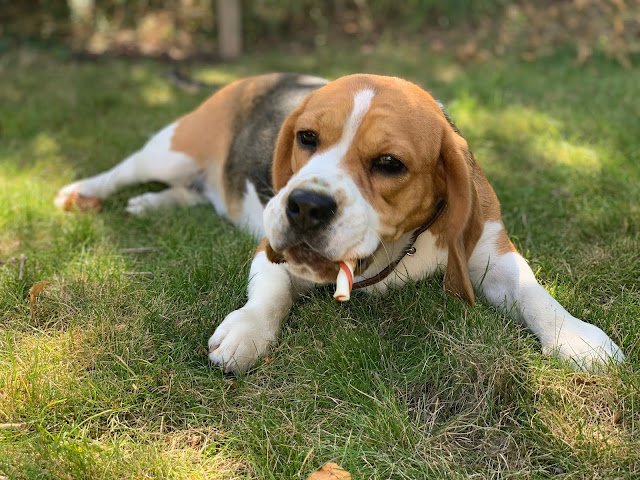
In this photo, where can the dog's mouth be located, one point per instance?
(305, 262)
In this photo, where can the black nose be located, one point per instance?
(307, 210)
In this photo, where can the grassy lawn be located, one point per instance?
(109, 379)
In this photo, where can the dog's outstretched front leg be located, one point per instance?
(507, 282)
(246, 334)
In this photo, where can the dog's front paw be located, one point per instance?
(585, 346)
(242, 338)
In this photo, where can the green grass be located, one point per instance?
(110, 378)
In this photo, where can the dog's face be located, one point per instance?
(361, 162)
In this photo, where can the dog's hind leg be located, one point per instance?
(171, 197)
(153, 162)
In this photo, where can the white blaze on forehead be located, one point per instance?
(361, 104)
(331, 157)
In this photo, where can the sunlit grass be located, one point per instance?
(109, 379)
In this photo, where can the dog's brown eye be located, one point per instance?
(307, 139)
(388, 165)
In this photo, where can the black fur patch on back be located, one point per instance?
(251, 153)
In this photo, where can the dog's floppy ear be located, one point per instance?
(272, 255)
(455, 156)
(282, 156)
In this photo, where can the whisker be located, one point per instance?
(387, 254)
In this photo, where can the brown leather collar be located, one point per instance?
(408, 250)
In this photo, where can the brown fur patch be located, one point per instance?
(461, 199)
(272, 255)
(503, 244)
(307, 263)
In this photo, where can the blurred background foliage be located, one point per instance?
(472, 30)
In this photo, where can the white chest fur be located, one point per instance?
(427, 260)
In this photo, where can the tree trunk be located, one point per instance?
(229, 28)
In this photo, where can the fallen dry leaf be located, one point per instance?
(617, 418)
(582, 381)
(584, 52)
(330, 471)
(34, 293)
(194, 441)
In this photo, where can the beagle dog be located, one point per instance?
(366, 168)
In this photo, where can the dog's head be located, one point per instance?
(361, 162)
